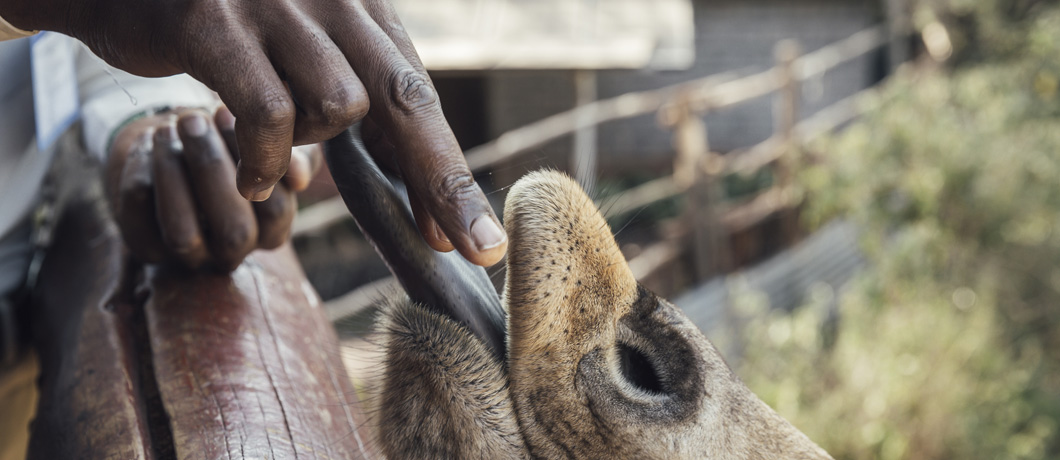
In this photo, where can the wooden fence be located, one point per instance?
(698, 171)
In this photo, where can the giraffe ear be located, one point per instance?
(443, 393)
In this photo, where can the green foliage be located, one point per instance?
(982, 30)
(948, 345)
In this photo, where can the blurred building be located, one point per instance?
(500, 64)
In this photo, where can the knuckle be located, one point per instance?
(343, 108)
(411, 92)
(236, 241)
(275, 111)
(183, 243)
(454, 185)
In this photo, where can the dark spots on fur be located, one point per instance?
(539, 400)
(548, 276)
(566, 331)
(579, 283)
(537, 268)
(568, 267)
(582, 310)
(736, 408)
(603, 428)
(572, 439)
(564, 279)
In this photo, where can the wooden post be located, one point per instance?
(786, 109)
(785, 118)
(898, 30)
(697, 169)
(583, 161)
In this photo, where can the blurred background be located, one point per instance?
(856, 200)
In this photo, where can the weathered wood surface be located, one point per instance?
(248, 365)
(142, 364)
(90, 375)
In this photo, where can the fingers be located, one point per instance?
(226, 124)
(384, 14)
(133, 202)
(428, 227)
(305, 162)
(172, 188)
(228, 220)
(328, 94)
(275, 216)
(245, 79)
(174, 204)
(405, 105)
(383, 152)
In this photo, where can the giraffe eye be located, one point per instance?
(638, 370)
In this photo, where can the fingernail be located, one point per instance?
(263, 194)
(486, 233)
(297, 175)
(194, 125)
(440, 235)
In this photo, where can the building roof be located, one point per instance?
(550, 34)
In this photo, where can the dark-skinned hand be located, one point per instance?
(170, 180)
(296, 73)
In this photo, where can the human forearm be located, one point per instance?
(33, 15)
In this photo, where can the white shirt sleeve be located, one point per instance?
(109, 97)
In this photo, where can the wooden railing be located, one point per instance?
(704, 94)
(697, 170)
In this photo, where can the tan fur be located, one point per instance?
(442, 395)
(569, 391)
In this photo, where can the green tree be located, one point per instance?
(948, 345)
